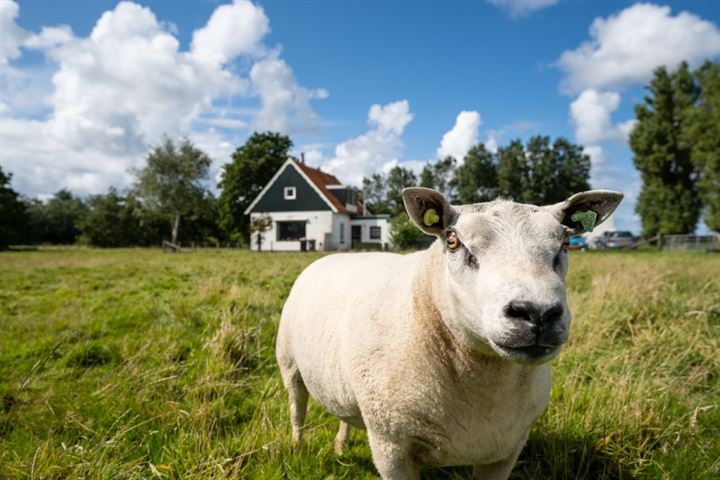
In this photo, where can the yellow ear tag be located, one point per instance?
(586, 219)
(430, 217)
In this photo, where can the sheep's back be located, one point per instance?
(340, 312)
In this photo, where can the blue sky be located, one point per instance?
(87, 86)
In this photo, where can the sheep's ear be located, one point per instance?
(429, 209)
(585, 210)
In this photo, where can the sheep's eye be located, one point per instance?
(563, 248)
(453, 242)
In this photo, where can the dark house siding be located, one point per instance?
(341, 194)
(347, 196)
(306, 197)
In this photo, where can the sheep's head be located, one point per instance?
(505, 265)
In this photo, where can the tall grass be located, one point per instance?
(126, 364)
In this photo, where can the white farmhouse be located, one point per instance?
(311, 210)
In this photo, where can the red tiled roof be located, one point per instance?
(322, 180)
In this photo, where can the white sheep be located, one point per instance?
(442, 355)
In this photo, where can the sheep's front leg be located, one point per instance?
(393, 460)
(499, 470)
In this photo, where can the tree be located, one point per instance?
(55, 221)
(109, 222)
(203, 223)
(260, 225)
(120, 220)
(542, 170)
(668, 201)
(375, 194)
(13, 217)
(404, 234)
(573, 170)
(150, 225)
(251, 168)
(476, 178)
(397, 179)
(172, 180)
(441, 177)
(513, 172)
(703, 136)
(542, 173)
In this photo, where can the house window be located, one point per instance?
(375, 233)
(287, 231)
(342, 233)
(290, 193)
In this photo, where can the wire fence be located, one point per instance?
(690, 243)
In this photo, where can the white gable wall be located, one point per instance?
(366, 223)
(336, 242)
(321, 226)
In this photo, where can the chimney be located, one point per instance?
(302, 158)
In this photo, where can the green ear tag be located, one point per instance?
(586, 219)
(430, 217)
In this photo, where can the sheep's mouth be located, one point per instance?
(528, 354)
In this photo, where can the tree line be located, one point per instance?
(675, 143)
(169, 200)
(539, 171)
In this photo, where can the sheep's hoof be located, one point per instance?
(297, 436)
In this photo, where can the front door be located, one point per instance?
(356, 235)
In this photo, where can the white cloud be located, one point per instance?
(376, 150)
(519, 8)
(392, 117)
(491, 143)
(28, 90)
(42, 163)
(591, 112)
(364, 155)
(218, 147)
(606, 175)
(285, 104)
(232, 30)
(50, 37)
(623, 51)
(596, 154)
(415, 166)
(626, 127)
(313, 153)
(114, 93)
(314, 157)
(495, 136)
(11, 36)
(462, 137)
(625, 48)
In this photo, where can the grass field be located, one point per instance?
(134, 364)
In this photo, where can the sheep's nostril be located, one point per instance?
(531, 312)
(553, 314)
(518, 310)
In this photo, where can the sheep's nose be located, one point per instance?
(534, 313)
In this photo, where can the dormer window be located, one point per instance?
(290, 193)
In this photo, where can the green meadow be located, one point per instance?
(129, 364)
